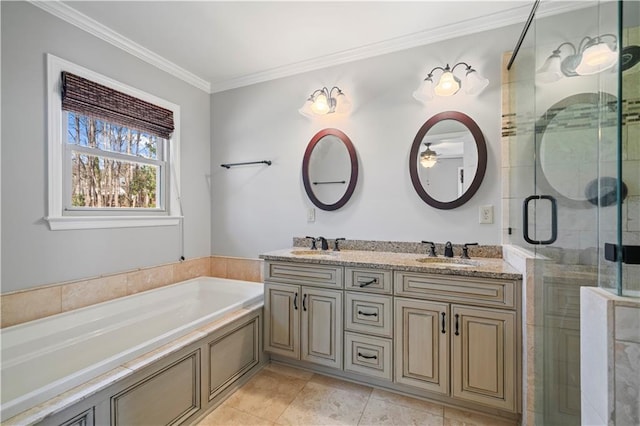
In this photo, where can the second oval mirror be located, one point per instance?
(330, 169)
(448, 160)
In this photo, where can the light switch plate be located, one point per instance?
(486, 214)
(311, 214)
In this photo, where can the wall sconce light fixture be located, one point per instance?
(324, 101)
(593, 55)
(449, 84)
(428, 157)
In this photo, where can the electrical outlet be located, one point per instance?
(486, 214)
(311, 214)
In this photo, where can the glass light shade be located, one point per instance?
(596, 58)
(428, 158)
(320, 105)
(343, 104)
(306, 108)
(424, 92)
(474, 83)
(448, 85)
(550, 71)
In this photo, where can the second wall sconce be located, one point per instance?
(324, 101)
(449, 84)
(592, 56)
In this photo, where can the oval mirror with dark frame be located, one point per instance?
(448, 160)
(330, 169)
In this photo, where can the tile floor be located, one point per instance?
(281, 395)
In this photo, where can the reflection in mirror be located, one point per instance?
(330, 169)
(568, 166)
(448, 160)
(452, 157)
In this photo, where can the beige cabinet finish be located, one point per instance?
(369, 280)
(421, 348)
(371, 356)
(451, 289)
(282, 319)
(321, 331)
(304, 322)
(484, 356)
(301, 274)
(367, 313)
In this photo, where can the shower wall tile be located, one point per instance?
(627, 383)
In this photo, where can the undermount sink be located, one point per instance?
(311, 253)
(448, 261)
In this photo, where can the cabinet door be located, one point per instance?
(321, 333)
(282, 319)
(484, 356)
(422, 344)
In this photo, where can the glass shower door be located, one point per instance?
(563, 158)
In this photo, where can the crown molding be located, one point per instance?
(498, 20)
(93, 27)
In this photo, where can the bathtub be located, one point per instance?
(45, 357)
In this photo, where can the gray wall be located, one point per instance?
(33, 255)
(259, 208)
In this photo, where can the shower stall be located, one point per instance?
(571, 187)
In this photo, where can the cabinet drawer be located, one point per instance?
(295, 273)
(479, 291)
(369, 280)
(368, 355)
(367, 313)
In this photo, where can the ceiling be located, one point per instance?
(219, 45)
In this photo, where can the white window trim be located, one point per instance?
(55, 213)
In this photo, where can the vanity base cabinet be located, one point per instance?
(483, 346)
(422, 344)
(304, 323)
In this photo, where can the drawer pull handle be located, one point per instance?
(375, 280)
(295, 301)
(367, 356)
(375, 314)
(443, 322)
(457, 333)
(304, 303)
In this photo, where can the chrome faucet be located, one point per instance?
(448, 249)
(323, 243)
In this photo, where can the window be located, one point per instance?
(113, 152)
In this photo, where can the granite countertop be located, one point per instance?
(476, 267)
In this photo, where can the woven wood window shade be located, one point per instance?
(86, 97)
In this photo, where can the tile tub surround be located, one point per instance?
(403, 247)
(282, 395)
(486, 267)
(22, 306)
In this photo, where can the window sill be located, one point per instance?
(63, 223)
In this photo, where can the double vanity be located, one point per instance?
(443, 328)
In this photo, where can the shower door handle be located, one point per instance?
(554, 219)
